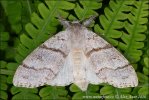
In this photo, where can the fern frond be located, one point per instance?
(13, 11)
(133, 39)
(42, 26)
(27, 8)
(111, 20)
(88, 8)
(114, 21)
(18, 13)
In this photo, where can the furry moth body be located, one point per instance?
(75, 55)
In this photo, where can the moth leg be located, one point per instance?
(88, 21)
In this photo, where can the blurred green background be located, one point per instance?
(25, 24)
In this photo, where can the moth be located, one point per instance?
(75, 55)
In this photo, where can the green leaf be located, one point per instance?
(10, 53)
(135, 91)
(72, 18)
(88, 9)
(146, 70)
(10, 78)
(74, 88)
(12, 66)
(23, 50)
(110, 92)
(3, 45)
(79, 95)
(3, 95)
(53, 92)
(3, 86)
(106, 90)
(95, 4)
(125, 90)
(111, 20)
(31, 30)
(93, 88)
(142, 78)
(28, 44)
(45, 91)
(4, 37)
(143, 91)
(6, 72)
(3, 64)
(3, 79)
(25, 96)
(15, 90)
(60, 5)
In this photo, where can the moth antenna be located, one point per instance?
(88, 21)
(64, 22)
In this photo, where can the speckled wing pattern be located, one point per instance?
(108, 63)
(44, 63)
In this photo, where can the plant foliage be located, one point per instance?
(26, 24)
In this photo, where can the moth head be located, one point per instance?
(77, 23)
(76, 28)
